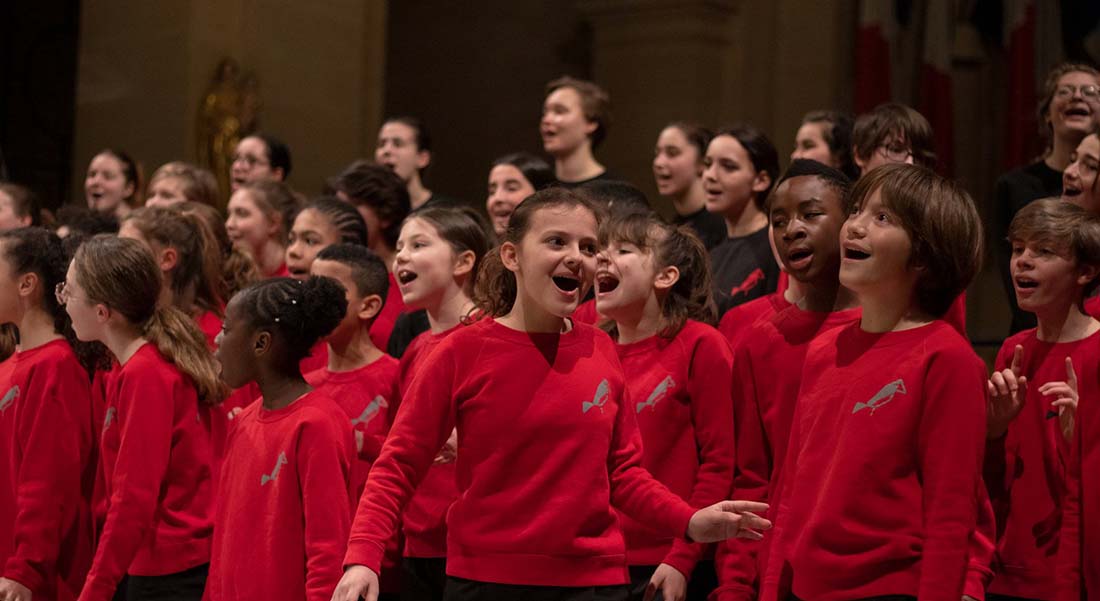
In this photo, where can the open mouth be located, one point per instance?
(566, 283)
(798, 255)
(1026, 283)
(605, 282)
(1077, 111)
(405, 276)
(855, 254)
(1068, 191)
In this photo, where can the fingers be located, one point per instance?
(754, 522)
(743, 506)
(1017, 359)
(1064, 403)
(650, 590)
(1071, 375)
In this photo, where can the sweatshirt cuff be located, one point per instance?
(976, 582)
(683, 556)
(22, 573)
(732, 592)
(365, 553)
(96, 590)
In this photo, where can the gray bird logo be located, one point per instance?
(883, 397)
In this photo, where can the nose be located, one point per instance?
(1071, 171)
(855, 227)
(218, 340)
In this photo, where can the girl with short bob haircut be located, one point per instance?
(289, 454)
(155, 453)
(512, 178)
(47, 444)
(653, 283)
(570, 425)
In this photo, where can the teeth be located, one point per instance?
(406, 276)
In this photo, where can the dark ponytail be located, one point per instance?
(39, 251)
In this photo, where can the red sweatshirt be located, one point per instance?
(424, 522)
(46, 472)
(156, 460)
(586, 313)
(547, 443)
(282, 519)
(1025, 469)
(394, 306)
(1092, 307)
(763, 405)
(316, 359)
(211, 326)
(682, 403)
(366, 395)
(1079, 547)
(737, 320)
(882, 476)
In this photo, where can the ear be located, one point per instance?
(102, 313)
(129, 190)
(279, 174)
(369, 307)
(509, 256)
(464, 263)
(261, 343)
(590, 127)
(762, 181)
(1086, 274)
(26, 284)
(26, 221)
(423, 158)
(862, 164)
(168, 259)
(666, 278)
(275, 224)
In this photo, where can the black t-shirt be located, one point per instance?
(710, 227)
(605, 176)
(1015, 190)
(743, 269)
(407, 327)
(439, 200)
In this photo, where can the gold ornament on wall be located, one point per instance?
(229, 111)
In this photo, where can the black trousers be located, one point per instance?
(187, 585)
(460, 589)
(423, 579)
(703, 580)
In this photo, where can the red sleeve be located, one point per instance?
(325, 464)
(736, 559)
(145, 419)
(983, 546)
(949, 452)
(956, 315)
(776, 582)
(712, 419)
(633, 489)
(423, 424)
(1069, 543)
(48, 481)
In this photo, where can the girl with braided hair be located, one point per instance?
(289, 456)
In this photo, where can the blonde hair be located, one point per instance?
(122, 274)
(199, 185)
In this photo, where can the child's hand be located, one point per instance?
(1065, 405)
(728, 519)
(358, 581)
(11, 590)
(1007, 390)
(668, 580)
(449, 452)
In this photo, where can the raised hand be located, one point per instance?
(1007, 391)
(358, 581)
(728, 519)
(1065, 401)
